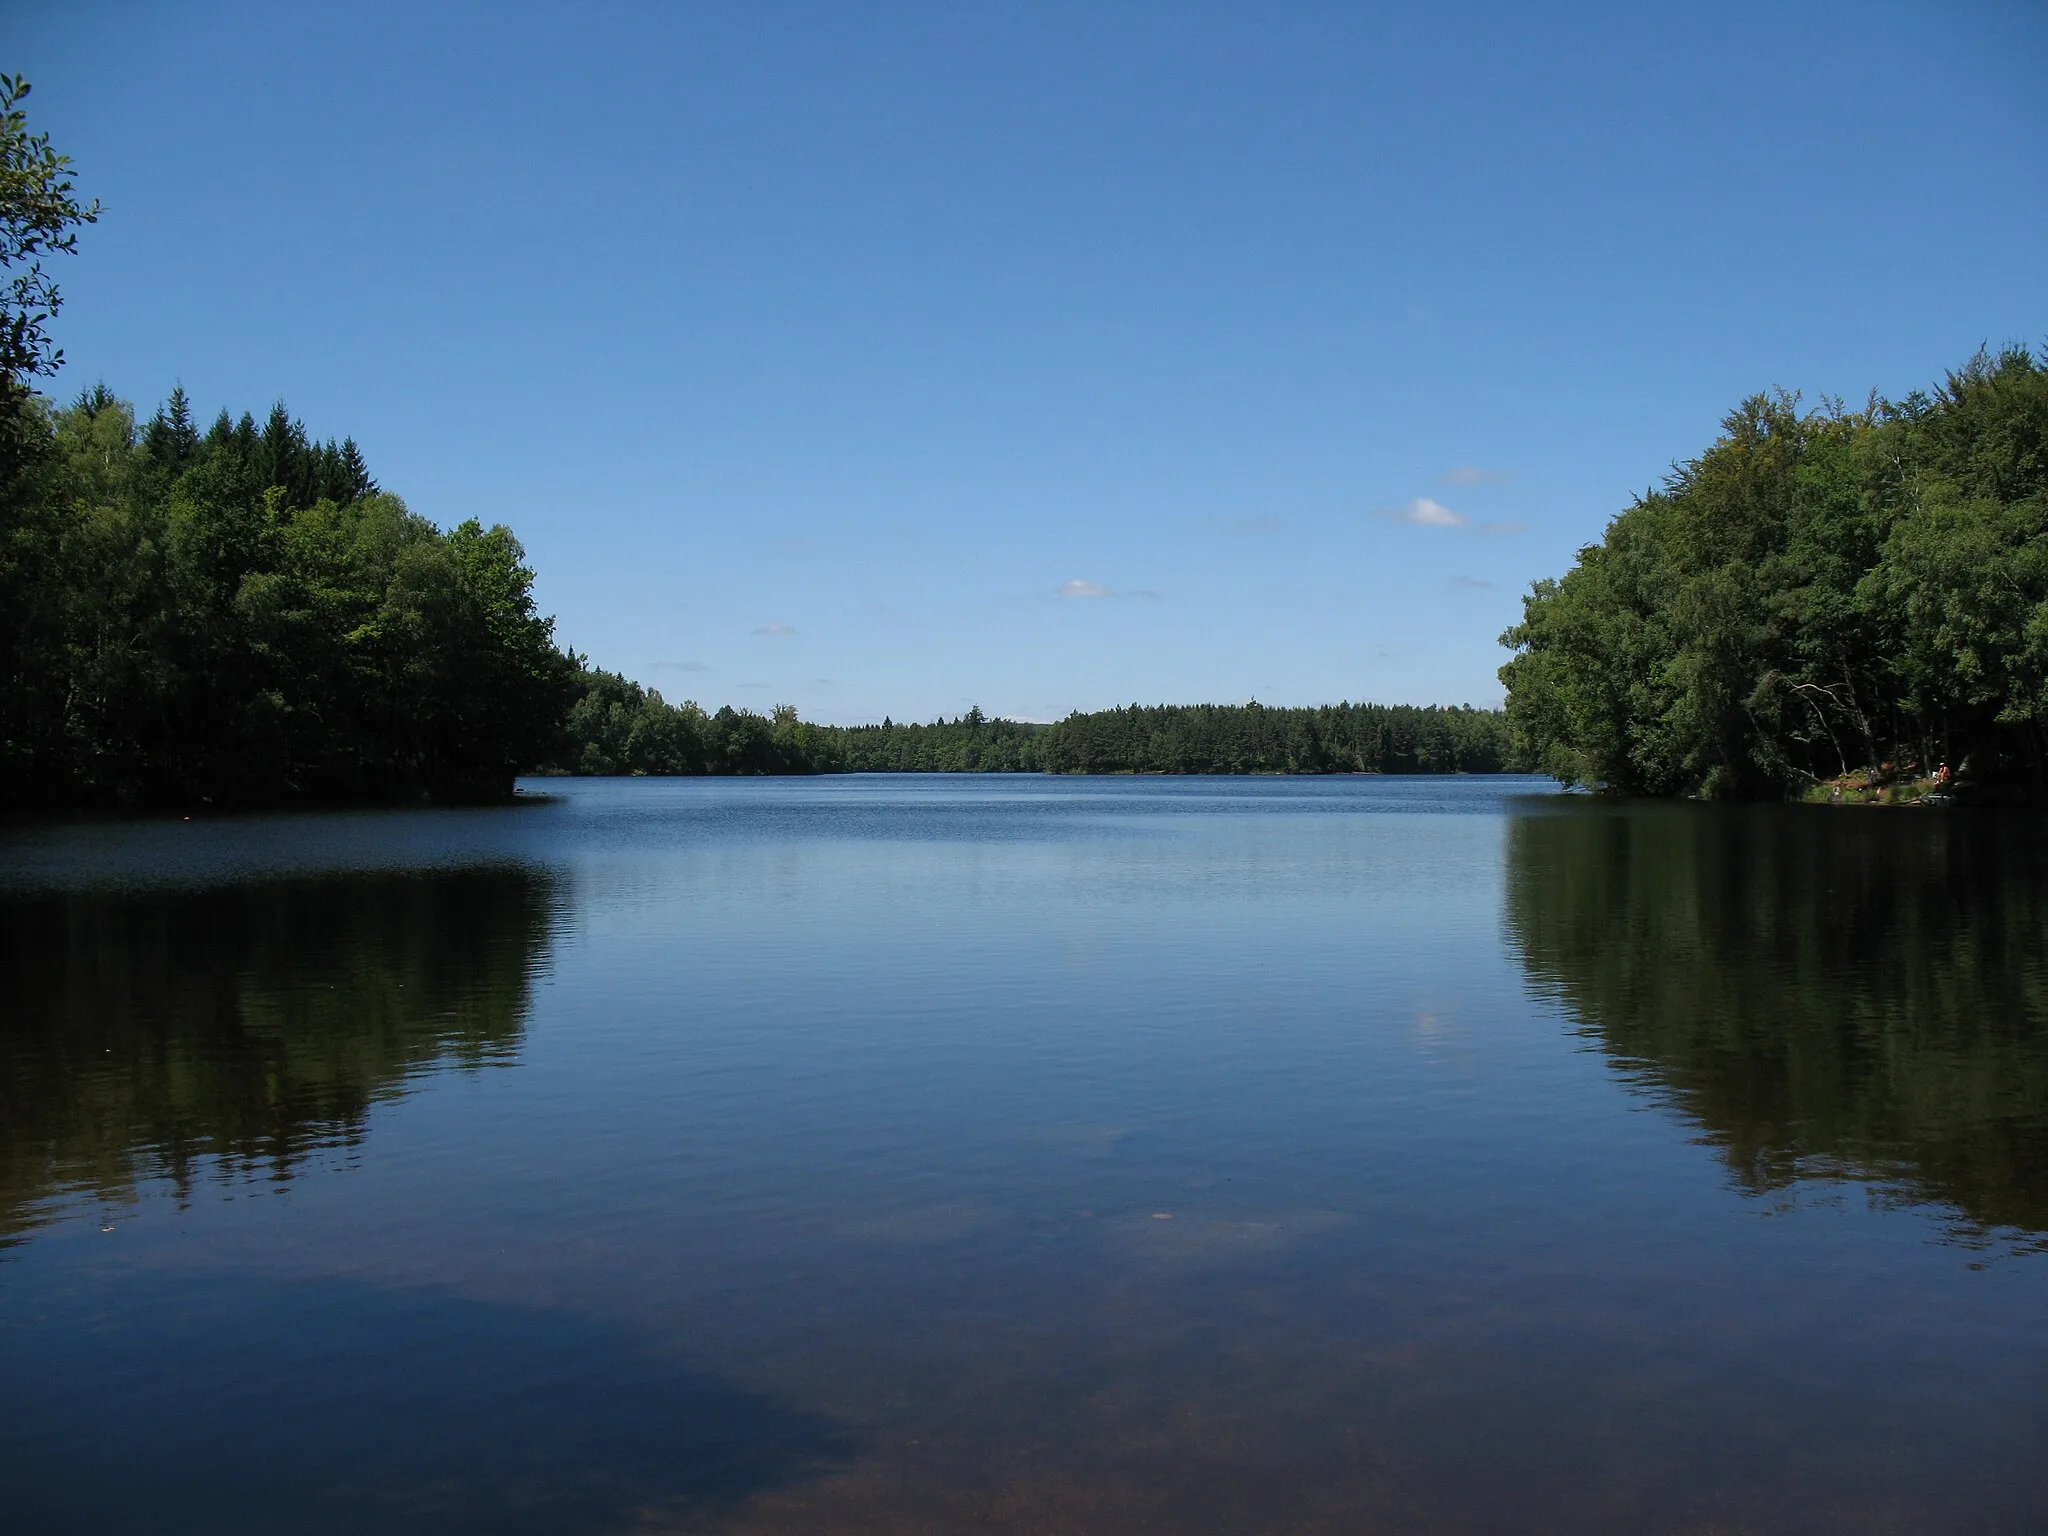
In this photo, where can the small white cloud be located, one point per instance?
(1472, 474)
(1430, 514)
(1079, 588)
(774, 629)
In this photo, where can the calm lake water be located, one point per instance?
(1020, 1154)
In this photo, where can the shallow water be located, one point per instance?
(1020, 1154)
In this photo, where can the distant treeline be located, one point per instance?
(619, 727)
(1820, 594)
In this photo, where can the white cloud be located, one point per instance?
(774, 629)
(1079, 588)
(1430, 514)
(1472, 474)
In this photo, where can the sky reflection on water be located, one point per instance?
(1021, 1154)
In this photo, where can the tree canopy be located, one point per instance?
(619, 727)
(245, 617)
(1821, 592)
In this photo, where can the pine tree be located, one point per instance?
(285, 458)
(171, 440)
(355, 473)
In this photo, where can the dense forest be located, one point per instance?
(1822, 597)
(241, 615)
(619, 727)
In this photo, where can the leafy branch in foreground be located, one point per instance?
(39, 215)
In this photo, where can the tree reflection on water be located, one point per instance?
(158, 1032)
(1824, 993)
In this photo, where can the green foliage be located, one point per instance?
(1252, 738)
(973, 743)
(245, 618)
(1816, 592)
(619, 727)
(39, 215)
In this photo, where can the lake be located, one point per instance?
(1026, 1154)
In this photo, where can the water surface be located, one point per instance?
(932, 1154)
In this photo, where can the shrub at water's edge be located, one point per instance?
(1819, 601)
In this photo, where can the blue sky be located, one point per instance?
(889, 359)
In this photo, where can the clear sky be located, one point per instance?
(888, 359)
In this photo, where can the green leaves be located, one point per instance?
(1813, 590)
(39, 215)
(203, 627)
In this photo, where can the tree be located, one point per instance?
(39, 215)
(1819, 592)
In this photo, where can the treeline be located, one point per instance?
(619, 727)
(1819, 594)
(1254, 738)
(241, 615)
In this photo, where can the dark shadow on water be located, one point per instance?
(1823, 992)
(227, 1404)
(166, 1032)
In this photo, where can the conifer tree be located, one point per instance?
(355, 473)
(171, 439)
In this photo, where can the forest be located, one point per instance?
(241, 615)
(619, 727)
(1823, 601)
